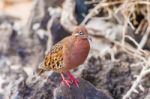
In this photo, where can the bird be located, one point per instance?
(67, 54)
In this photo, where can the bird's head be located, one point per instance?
(81, 32)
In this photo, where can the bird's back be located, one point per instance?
(68, 53)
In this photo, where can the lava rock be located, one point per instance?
(85, 91)
(58, 32)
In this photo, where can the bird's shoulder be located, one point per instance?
(60, 45)
(54, 58)
(56, 48)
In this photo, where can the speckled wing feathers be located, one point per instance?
(54, 59)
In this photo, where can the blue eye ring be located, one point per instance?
(81, 33)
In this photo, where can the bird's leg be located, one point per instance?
(64, 80)
(72, 78)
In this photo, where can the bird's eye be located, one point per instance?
(81, 33)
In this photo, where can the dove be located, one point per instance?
(67, 54)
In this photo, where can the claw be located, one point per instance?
(73, 79)
(65, 81)
(76, 82)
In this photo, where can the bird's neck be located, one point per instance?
(82, 42)
(77, 39)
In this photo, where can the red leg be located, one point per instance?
(65, 81)
(73, 79)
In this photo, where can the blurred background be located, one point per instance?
(119, 59)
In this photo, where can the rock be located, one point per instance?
(85, 91)
(50, 88)
(81, 10)
(36, 87)
(58, 32)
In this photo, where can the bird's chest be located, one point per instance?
(78, 53)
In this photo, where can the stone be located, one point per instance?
(85, 91)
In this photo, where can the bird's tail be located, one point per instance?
(40, 71)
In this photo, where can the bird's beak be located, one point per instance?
(76, 34)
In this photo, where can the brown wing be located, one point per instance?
(54, 59)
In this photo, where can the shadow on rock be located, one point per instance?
(84, 91)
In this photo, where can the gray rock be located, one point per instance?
(85, 91)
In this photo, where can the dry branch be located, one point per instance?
(68, 18)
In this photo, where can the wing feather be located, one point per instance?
(54, 58)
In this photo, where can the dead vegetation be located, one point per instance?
(116, 27)
(134, 15)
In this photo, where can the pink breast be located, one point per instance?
(78, 53)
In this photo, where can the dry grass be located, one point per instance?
(128, 8)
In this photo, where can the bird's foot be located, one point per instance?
(73, 79)
(65, 81)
